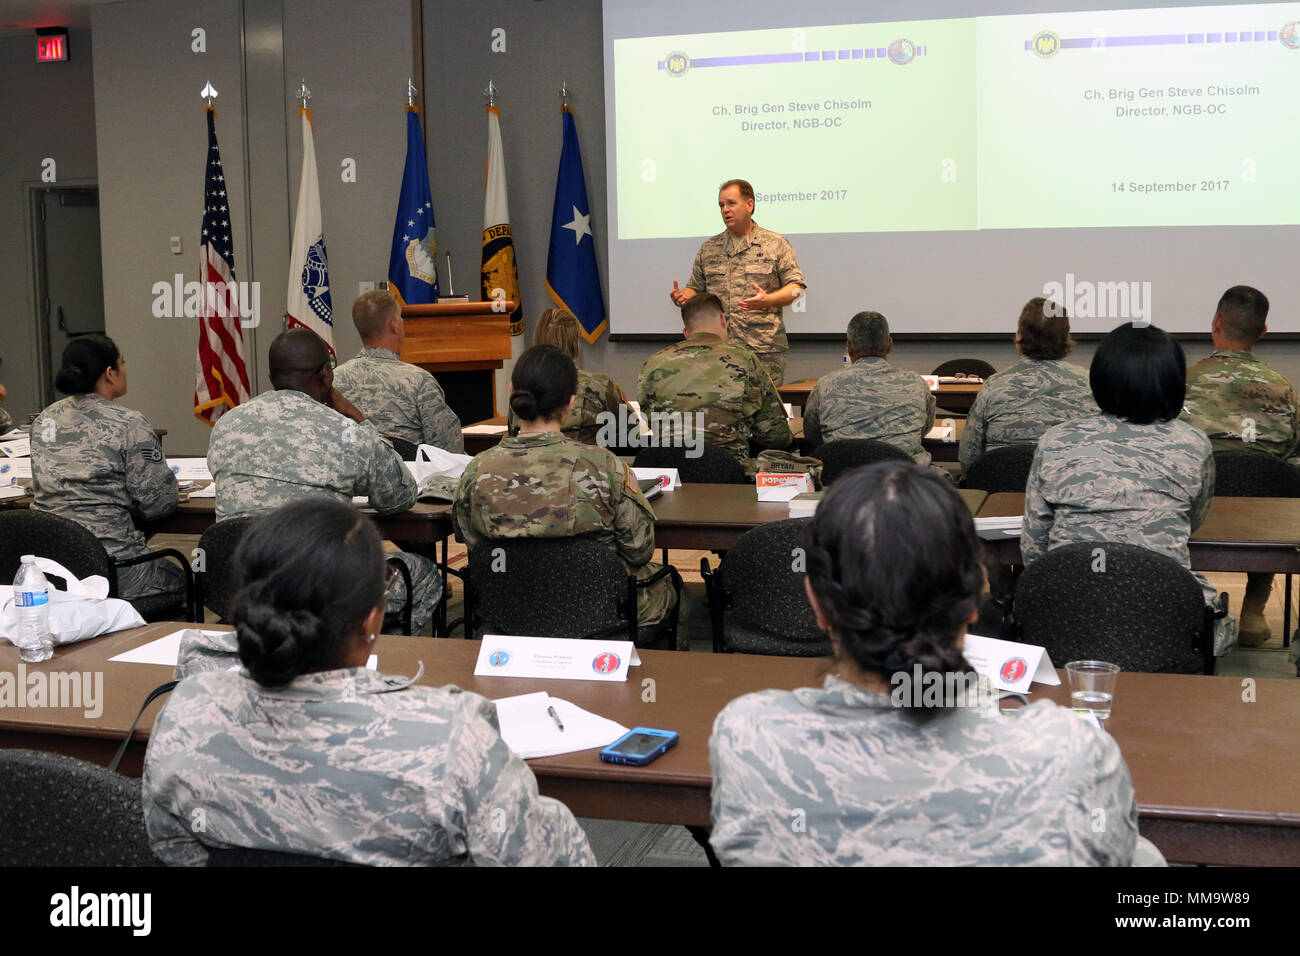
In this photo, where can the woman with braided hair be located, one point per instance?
(865, 770)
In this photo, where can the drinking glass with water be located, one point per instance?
(1092, 686)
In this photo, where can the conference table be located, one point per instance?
(951, 396)
(1216, 779)
(941, 449)
(1239, 534)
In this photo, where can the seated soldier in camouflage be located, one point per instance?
(1240, 403)
(101, 465)
(1017, 405)
(597, 393)
(706, 375)
(401, 400)
(542, 484)
(868, 770)
(308, 751)
(304, 439)
(1134, 473)
(871, 398)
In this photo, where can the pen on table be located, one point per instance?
(555, 717)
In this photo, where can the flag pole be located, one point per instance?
(411, 91)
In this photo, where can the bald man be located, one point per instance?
(305, 439)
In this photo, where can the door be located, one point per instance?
(69, 279)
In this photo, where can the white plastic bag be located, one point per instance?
(82, 611)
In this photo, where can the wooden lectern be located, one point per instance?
(462, 344)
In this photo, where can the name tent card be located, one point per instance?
(555, 658)
(1008, 664)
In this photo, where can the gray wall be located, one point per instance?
(46, 109)
(148, 125)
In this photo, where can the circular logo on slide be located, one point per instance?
(1046, 43)
(677, 63)
(605, 663)
(901, 52)
(1290, 35)
(1013, 669)
(498, 659)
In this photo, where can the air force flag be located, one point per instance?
(571, 275)
(412, 274)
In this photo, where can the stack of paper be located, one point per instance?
(16, 445)
(941, 433)
(805, 505)
(530, 731)
(1009, 525)
(483, 430)
(190, 469)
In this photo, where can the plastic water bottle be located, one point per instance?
(32, 599)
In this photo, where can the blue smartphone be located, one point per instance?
(639, 746)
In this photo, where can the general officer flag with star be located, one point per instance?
(412, 274)
(571, 275)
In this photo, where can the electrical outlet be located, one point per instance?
(176, 245)
(364, 287)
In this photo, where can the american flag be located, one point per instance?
(221, 377)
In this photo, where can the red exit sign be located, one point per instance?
(50, 49)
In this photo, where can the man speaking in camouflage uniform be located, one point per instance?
(306, 439)
(401, 400)
(1241, 403)
(871, 398)
(710, 375)
(754, 271)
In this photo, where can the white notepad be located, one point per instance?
(530, 731)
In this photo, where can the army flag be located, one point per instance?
(309, 271)
(412, 273)
(498, 277)
(571, 275)
(221, 376)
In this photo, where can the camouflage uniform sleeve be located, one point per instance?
(812, 426)
(787, 266)
(463, 504)
(614, 397)
(506, 822)
(930, 406)
(438, 423)
(150, 484)
(388, 484)
(972, 439)
(1292, 448)
(1037, 525)
(697, 280)
(1201, 504)
(634, 520)
(170, 837)
(771, 428)
(1104, 801)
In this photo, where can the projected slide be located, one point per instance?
(819, 119)
(1168, 117)
(1139, 118)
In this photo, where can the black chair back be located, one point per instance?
(1114, 602)
(845, 454)
(1254, 474)
(713, 466)
(60, 811)
(965, 366)
(1002, 469)
(549, 587)
(24, 531)
(757, 599)
(218, 580)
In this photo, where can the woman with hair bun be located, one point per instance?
(542, 484)
(870, 770)
(101, 465)
(307, 751)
